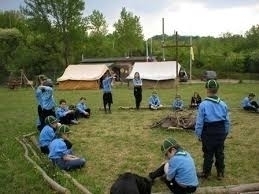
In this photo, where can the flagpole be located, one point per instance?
(191, 57)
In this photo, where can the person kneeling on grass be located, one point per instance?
(249, 104)
(60, 154)
(178, 172)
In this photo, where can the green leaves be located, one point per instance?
(128, 33)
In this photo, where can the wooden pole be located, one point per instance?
(191, 56)
(163, 41)
(176, 60)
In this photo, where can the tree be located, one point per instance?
(97, 27)
(97, 23)
(63, 18)
(9, 41)
(128, 33)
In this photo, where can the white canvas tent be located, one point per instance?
(82, 76)
(156, 74)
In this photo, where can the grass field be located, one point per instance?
(122, 141)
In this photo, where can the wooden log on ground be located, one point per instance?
(77, 184)
(57, 187)
(30, 134)
(230, 189)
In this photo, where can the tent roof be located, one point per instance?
(155, 70)
(83, 72)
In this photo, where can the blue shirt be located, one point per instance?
(47, 134)
(212, 110)
(38, 95)
(81, 107)
(107, 84)
(182, 169)
(47, 98)
(137, 82)
(246, 103)
(154, 100)
(61, 112)
(58, 149)
(177, 103)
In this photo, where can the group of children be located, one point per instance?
(47, 106)
(177, 104)
(212, 127)
(53, 125)
(54, 142)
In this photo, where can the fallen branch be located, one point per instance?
(230, 189)
(32, 150)
(51, 182)
(77, 184)
(30, 134)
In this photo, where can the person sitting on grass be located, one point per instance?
(177, 103)
(195, 100)
(60, 155)
(250, 104)
(154, 101)
(47, 134)
(82, 109)
(64, 115)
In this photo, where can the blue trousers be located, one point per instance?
(69, 164)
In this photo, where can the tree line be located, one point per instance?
(44, 36)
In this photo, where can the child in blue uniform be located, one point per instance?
(250, 104)
(212, 127)
(177, 103)
(154, 102)
(47, 134)
(107, 91)
(82, 109)
(64, 115)
(60, 154)
(179, 171)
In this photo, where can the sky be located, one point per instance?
(187, 17)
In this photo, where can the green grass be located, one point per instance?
(121, 141)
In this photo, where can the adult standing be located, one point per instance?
(212, 127)
(107, 91)
(38, 94)
(47, 100)
(137, 83)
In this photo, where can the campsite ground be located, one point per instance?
(122, 141)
